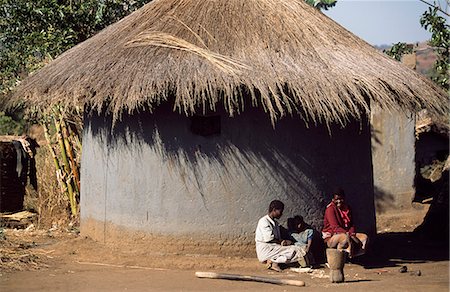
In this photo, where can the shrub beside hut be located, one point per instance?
(199, 113)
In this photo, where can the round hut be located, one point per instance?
(198, 113)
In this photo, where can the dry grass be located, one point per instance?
(285, 56)
(15, 254)
(26, 249)
(50, 204)
(17, 259)
(223, 63)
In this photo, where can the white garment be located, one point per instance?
(268, 230)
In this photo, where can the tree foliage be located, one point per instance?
(34, 32)
(322, 4)
(440, 40)
(9, 126)
(398, 50)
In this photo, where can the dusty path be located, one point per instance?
(81, 277)
(72, 263)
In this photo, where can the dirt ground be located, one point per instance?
(55, 260)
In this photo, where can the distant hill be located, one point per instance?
(425, 56)
(382, 47)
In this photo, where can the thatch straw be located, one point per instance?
(429, 123)
(157, 39)
(284, 55)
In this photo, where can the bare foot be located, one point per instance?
(350, 246)
(273, 266)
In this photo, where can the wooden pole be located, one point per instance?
(211, 275)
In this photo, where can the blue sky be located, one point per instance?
(383, 21)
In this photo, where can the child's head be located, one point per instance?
(295, 223)
(299, 221)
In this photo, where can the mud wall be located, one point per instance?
(393, 154)
(152, 174)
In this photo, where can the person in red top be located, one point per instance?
(338, 229)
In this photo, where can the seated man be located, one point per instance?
(301, 235)
(270, 248)
(338, 229)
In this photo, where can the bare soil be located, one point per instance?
(56, 260)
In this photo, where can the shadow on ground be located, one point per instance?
(400, 248)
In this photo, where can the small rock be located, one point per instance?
(403, 269)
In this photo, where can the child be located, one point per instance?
(301, 234)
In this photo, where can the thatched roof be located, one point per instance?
(285, 55)
(7, 138)
(428, 123)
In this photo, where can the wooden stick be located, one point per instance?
(211, 275)
(121, 266)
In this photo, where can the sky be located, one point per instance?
(383, 21)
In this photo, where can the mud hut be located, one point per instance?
(198, 113)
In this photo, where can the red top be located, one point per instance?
(337, 221)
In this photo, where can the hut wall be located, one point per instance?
(393, 154)
(151, 174)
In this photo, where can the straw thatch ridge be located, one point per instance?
(285, 55)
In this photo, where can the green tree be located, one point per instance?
(9, 126)
(322, 4)
(34, 32)
(398, 50)
(440, 40)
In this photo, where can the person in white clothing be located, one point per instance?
(270, 247)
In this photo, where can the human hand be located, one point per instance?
(286, 242)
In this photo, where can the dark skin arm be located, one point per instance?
(283, 242)
(277, 214)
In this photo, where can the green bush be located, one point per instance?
(9, 126)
